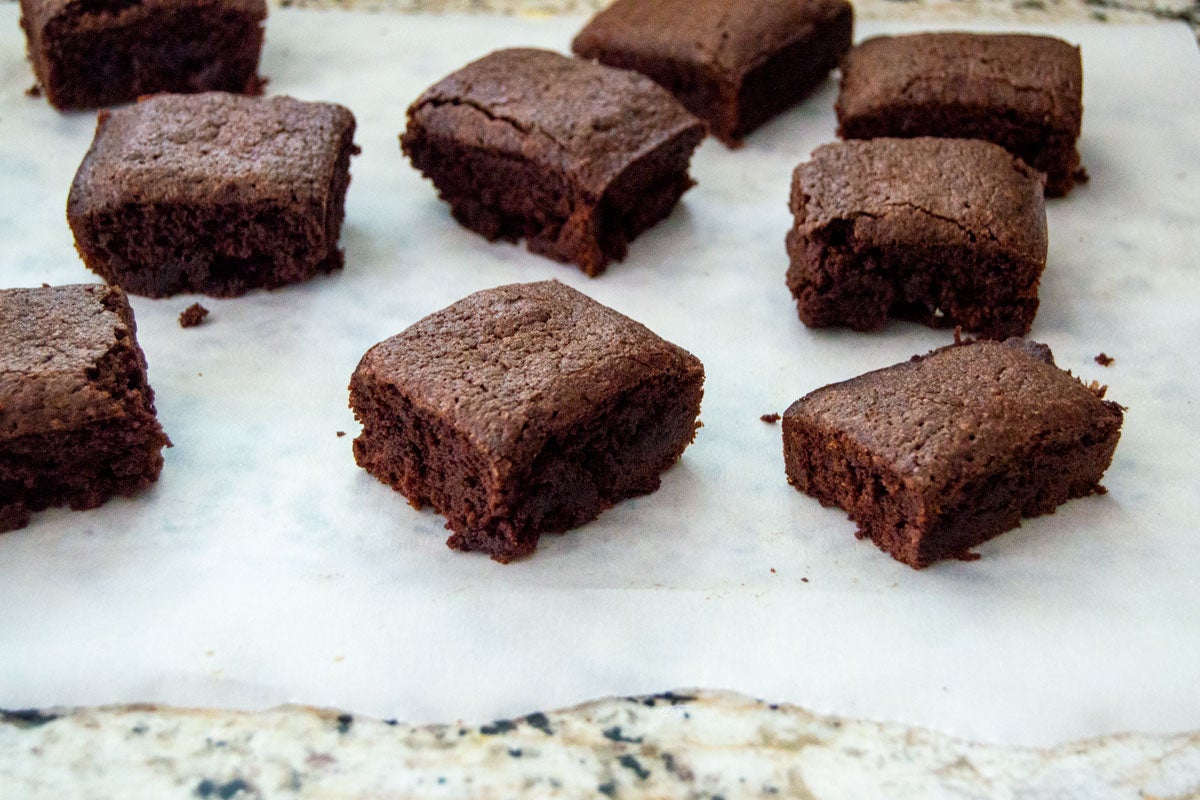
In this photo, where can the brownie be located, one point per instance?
(575, 157)
(1022, 92)
(95, 54)
(77, 419)
(734, 63)
(948, 232)
(214, 193)
(522, 410)
(936, 455)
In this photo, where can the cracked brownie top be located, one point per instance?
(571, 115)
(923, 191)
(1039, 77)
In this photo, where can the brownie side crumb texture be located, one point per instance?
(192, 316)
(1020, 91)
(77, 416)
(1104, 360)
(733, 63)
(91, 55)
(523, 410)
(936, 455)
(213, 193)
(574, 157)
(946, 232)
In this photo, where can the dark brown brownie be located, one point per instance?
(1022, 92)
(104, 52)
(214, 193)
(936, 455)
(523, 410)
(575, 157)
(948, 232)
(734, 63)
(77, 419)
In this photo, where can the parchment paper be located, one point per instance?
(265, 567)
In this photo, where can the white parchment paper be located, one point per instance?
(265, 567)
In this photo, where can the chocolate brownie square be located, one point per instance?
(95, 54)
(936, 455)
(1022, 92)
(575, 157)
(213, 193)
(734, 63)
(522, 410)
(941, 231)
(77, 419)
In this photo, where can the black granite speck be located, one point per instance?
(344, 721)
(226, 791)
(26, 717)
(608, 789)
(498, 727)
(541, 722)
(614, 734)
(632, 764)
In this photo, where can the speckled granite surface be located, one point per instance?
(676, 745)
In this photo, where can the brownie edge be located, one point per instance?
(98, 54)
(523, 410)
(938, 454)
(215, 193)
(77, 417)
(1022, 92)
(733, 63)
(576, 158)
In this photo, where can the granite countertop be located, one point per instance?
(924, 10)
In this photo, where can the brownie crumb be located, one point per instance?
(804, 580)
(770, 419)
(340, 434)
(192, 316)
(34, 91)
(45, 286)
(1104, 359)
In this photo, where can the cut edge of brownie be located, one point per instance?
(1047, 142)
(142, 49)
(83, 467)
(732, 103)
(276, 244)
(840, 471)
(620, 453)
(507, 450)
(968, 277)
(555, 218)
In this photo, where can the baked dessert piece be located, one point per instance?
(214, 193)
(734, 63)
(95, 54)
(935, 455)
(77, 419)
(522, 410)
(1022, 92)
(941, 231)
(576, 157)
